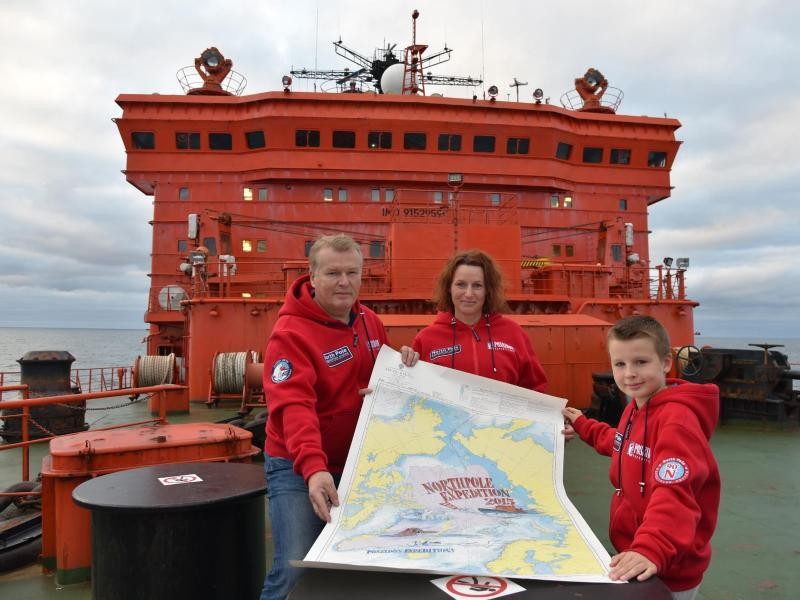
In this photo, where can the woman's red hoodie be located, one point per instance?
(494, 347)
(314, 366)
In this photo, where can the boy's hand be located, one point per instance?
(571, 414)
(627, 565)
(568, 431)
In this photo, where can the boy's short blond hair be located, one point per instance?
(642, 326)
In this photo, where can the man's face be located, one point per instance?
(336, 281)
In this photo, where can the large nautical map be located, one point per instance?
(453, 473)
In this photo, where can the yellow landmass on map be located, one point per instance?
(383, 445)
(531, 466)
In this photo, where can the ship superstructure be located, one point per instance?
(243, 184)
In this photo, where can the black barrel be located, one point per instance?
(191, 530)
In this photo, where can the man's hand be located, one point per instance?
(322, 493)
(627, 565)
(408, 356)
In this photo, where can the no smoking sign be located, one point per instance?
(179, 479)
(476, 586)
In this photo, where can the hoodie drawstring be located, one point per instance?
(625, 436)
(453, 345)
(491, 342)
(366, 332)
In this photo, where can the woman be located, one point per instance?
(470, 334)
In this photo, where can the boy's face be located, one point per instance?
(638, 370)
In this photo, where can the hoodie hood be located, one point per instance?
(701, 398)
(300, 303)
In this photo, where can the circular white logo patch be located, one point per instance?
(281, 370)
(671, 470)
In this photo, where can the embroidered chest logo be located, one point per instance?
(338, 356)
(500, 346)
(281, 370)
(447, 351)
(374, 344)
(671, 470)
(637, 451)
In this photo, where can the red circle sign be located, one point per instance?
(470, 586)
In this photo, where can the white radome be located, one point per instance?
(392, 79)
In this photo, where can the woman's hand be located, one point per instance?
(408, 356)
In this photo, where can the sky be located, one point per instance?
(74, 236)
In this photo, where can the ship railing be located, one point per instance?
(93, 379)
(25, 404)
(591, 280)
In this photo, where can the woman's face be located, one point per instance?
(468, 292)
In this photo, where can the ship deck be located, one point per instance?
(756, 544)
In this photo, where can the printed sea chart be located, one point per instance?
(454, 473)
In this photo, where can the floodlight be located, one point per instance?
(682, 263)
(668, 261)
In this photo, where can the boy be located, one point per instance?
(666, 480)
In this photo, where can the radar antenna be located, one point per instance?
(371, 71)
(517, 83)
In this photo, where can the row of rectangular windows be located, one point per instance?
(447, 142)
(377, 248)
(556, 201)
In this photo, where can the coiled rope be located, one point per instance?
(229, 369)
(154, 370)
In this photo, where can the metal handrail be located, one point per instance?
(25, 403)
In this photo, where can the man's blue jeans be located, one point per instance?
(295, 527)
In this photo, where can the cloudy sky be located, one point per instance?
(75, 240)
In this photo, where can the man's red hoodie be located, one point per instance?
(314, 366)
(671, 518)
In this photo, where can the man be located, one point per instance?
(317, 366)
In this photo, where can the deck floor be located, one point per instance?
(756, 545)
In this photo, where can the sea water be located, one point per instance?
(90, 347)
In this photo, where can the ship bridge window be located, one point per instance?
(483, 143)
(450, 141)
(187, 140)
(567, 202)
(620, 156)
(255, 139)
(247, 194)
(592, 155)
(554, 201)
(623, 204)
(306, 138)
(377, 249)
(375, 195)
(657, 159)
(494, 199)
(616, 252)
(183, 246)
(563, 150)
(211, 244)
(143, 140)
(414, 141)
(389, 195)
(569, 250)
(183, 194)
(342, 194)
(379, 139)
(437, 197)
(262, 194)
(556, 250)
(344, 139)
(327, 194)
(518, 145)
(307, 247)
(220, 141)
(261, 245)
(247, 246)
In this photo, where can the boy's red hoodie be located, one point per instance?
(314, 366)
(671, 518)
